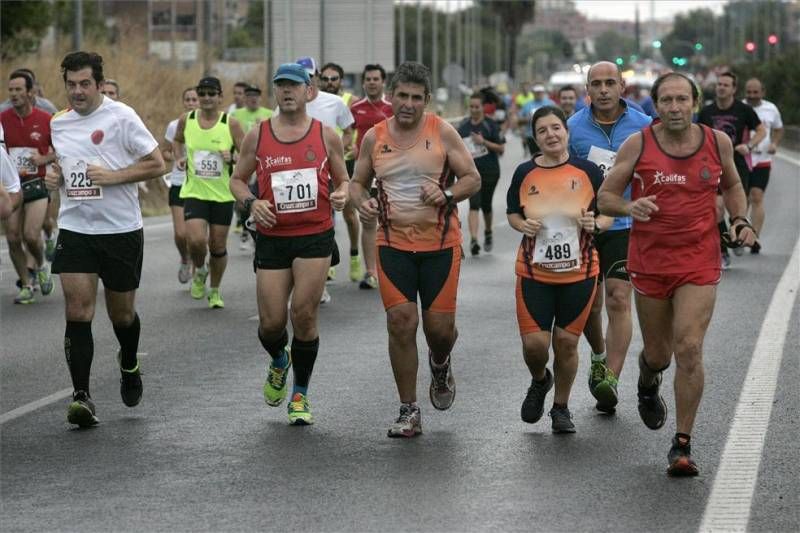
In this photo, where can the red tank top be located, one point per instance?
(25, 135)
(295, 177)
(682, 236)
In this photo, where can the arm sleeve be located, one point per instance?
(512, 196)
(169, 135)
(752, 118)
(345, 118)
(8, 173)
(137, 139)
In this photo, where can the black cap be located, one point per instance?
(252, 89)
(210, 82)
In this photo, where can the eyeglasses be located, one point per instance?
(327, 79)
(207, 93)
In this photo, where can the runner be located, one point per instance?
(27, 138)
(111, 89)
(762, 153)
(551, 201)
(485, 143)
(330, 81)
(412, 156)
(103, 148)
(176, 179)
(10, 190)
(210, 136)
(674, 253)
(596, 133)
(294, 156)
(40, 101)
(238, 96)
(567, 98)
(737, 120)
(540, 99)
(367, 112)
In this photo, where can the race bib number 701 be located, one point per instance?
(295, 191)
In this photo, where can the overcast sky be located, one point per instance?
(626, 9)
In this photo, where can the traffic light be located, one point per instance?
(772, 39)
(656, 44)
(679, 61)
(750, 46)
(619, 61)
(698, 46)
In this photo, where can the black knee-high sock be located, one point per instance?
(79, 350)
(128, 337)
(304, 354)
(274, 347)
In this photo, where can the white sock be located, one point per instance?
(599, 357)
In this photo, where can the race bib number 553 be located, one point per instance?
(77, 183)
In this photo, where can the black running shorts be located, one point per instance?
(116, 258)
(278, 253)
(612, 247)
(33, 190)
(175, 196)
(759, 178)
(217, 213)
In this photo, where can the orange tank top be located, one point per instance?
(404, 221)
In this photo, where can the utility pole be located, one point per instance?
(402, 22)
(77, 35)
(419, 32)
(435, 49)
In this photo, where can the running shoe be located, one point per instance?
(408, 424)
(24, 296)
(326, 297)
(726, 261)
(50, 249)
(443, 385)
(597, 373)
(488, 242)
(185, 273)
(738, 251)
(239, 228)
(81, 411)
(652, 408)
(756, 248)
(198, 289)
(300, 410)
(130, 384)
(369, 282)
(680, 459)
(331, 274)
(215, 299)
(45, 279)
(533, 405)
(356, 273)
(275, 384)
(606, 393)
(474, 247)
(562, 420)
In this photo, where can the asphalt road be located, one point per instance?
(203, 452)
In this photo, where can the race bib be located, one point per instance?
(475, 150)
(558, 245)
(602, 158)
(22, 157)
(295, 191)
(76, 181)
(208, 165)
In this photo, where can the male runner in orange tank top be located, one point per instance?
(412, 157)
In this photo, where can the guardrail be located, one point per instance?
(791, 138)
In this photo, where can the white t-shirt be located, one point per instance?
(770, 118)
(177, 176)
(8, 172)
(112, 136)
(330, 110)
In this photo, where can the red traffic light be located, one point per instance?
(750, 46)
(772, 39)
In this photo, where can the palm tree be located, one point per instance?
(513, 14)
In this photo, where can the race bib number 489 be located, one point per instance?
(558, 245)
(295, 191)
(77, 183)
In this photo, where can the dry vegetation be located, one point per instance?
(153, 88)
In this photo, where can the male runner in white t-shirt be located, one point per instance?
(103, 148)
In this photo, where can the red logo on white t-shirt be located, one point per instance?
(97, 136)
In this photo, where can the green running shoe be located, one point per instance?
(300, 410)
(215, 300)
(355, 268)
(45, 279)
(198, 289)
(81, 411)
(606, 393)
(275, 385)
(597, 373)
(24, 296)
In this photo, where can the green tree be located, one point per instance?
(514, 14)
(609, 45)
(550, 43)
(23, 26)
(94, 26)
(696, 26)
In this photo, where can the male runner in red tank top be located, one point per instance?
(675, 168)
(294, 157)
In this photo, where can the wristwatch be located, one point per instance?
(448, 196)
(248, 203)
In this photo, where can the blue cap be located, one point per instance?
(292, 72)
(308, 63)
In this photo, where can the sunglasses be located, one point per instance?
(207, 93)
(332, 78)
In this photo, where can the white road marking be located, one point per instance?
(47, 400)
(728, 506)
(788, 159)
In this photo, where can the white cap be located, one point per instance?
(539, 88)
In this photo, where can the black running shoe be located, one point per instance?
(533, 405)
(130, 385)
(81, 411)
(652, 408)
(680, 459)
(488, 242)
(756, 248)
(562, 420)
(474, 247)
